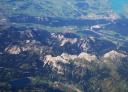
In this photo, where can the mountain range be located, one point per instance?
(63, 46)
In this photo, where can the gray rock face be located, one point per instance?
(113, 56)
(13, 50)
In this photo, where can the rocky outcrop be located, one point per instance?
(113, 56)
(63, 40)
(87, 57)
(65, 59)
(13, 50)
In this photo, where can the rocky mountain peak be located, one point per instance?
(114, 55)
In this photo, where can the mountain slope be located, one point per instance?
(38, 59)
